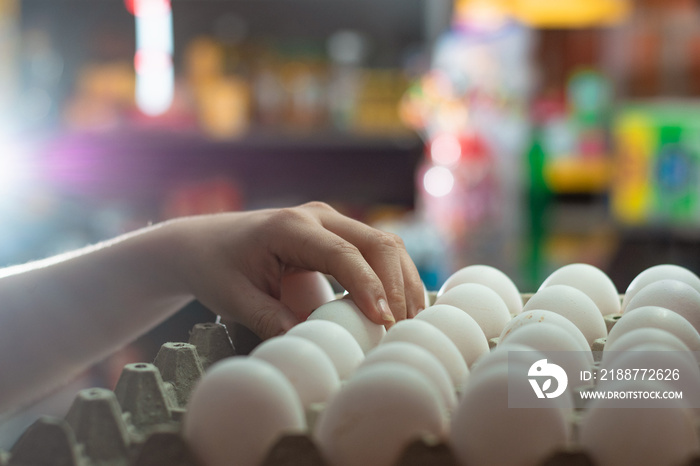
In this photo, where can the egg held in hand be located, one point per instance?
(348, 315)
(304, 291)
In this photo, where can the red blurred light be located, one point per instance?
(130, 6)
(147, 7)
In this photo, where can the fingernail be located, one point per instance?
(385, 312)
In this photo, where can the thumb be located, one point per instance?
(267, 317)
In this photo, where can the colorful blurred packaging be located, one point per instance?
(657, 164)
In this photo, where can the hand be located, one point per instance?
(234, 262)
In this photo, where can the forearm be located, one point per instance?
(60, 315)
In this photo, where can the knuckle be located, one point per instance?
(398, 241)
(343, 247)
(285, 217)
(396, 295)
(319, 205)
(344, 254)
(384, 240)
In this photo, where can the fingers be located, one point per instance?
(269, 318)
(387, 255)
(381, 252)
(243, 257)
(373, 266)
(263, 314)
(415, 293)
(300, 241)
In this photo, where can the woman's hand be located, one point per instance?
(234, 262)
(67, 312)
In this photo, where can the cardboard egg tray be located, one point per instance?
(138, 424)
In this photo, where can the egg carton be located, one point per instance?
(139, 422)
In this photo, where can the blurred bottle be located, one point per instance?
(538, 199)
(222, 99)
(347, 50)
(268, 92)
(304, 82)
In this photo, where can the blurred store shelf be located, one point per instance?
(266, 167)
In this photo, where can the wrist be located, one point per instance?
(164, 251)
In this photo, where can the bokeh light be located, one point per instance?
(445, 150)
(438, 181)
(155, 76)
(14, 170)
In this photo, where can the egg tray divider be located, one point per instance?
(139, 423)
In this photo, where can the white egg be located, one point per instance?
(419, 358)
(641, 336)
(429, 337)
(518, 361)
(374, 417)
(485, 431)
(238, 410)
(656, 273)
(346, 313)
(516, 353)
(573, 304)
(308, 368)
(656, 353)
(459, 327)
(678, 369)
(625, 437)
(482, 303)
(335, 340)
(539, 316)
(653, 348)
(491, 277)
(592, 281)
(426, 297)
(655, 317)
(305, 291)
(674, 295)
(556, 343)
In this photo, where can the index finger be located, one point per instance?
(387, 255)
(301, 241)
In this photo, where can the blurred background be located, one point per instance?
(523, 134)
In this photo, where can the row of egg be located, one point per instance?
(364, 393)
